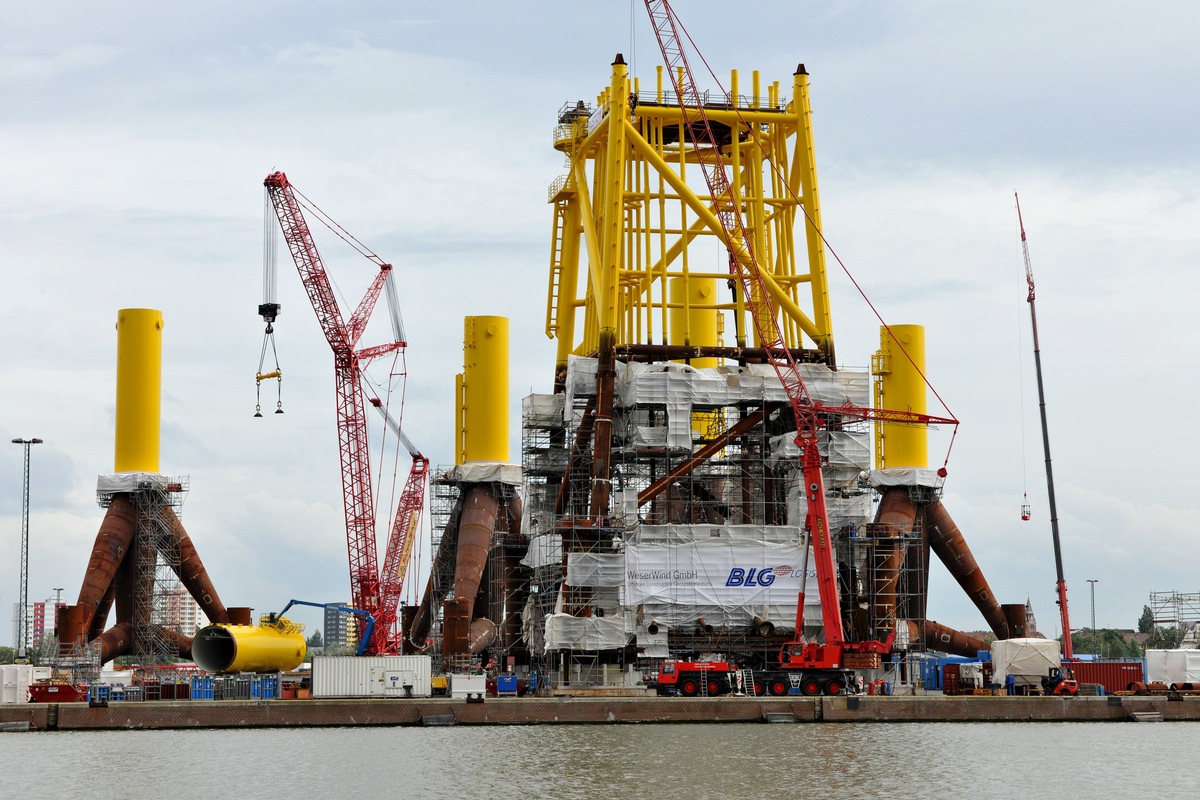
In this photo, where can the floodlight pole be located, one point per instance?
(23, 619)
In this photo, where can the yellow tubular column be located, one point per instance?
(693, 320)
(485, 389)
(903, 388)
(139, 389)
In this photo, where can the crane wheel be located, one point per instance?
(834, 687)
(810, 687)
(714, 687)
(779, 687)
(689, 687)
(760, 688)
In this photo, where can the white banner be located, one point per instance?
(717, 574)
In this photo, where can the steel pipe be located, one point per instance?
(249, 648)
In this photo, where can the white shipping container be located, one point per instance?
(371, 676)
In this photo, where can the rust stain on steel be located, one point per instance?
(947, 541)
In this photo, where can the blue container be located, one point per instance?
(506, 684)
(533, 682)
(270, 687)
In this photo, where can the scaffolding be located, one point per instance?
(701, 462)
(158, 502)
(1175, 609)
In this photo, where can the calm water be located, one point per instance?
(606, 762)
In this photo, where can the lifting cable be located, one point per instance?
(768, 159)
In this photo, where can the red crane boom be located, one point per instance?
(810, 416)
(351, 415)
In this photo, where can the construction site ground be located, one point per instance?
(164, 715)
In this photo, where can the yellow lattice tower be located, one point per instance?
(638, 255)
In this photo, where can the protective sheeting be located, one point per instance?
(542, 410)
(905, 476)
(679, 387)
(130, 482)
(564, 632)
(1173, 666)
(970, 675)
(717, 575)
(485, 472)
(595, 570)
(1027, 660)
(690, 534)
(543, 551)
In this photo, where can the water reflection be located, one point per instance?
(606, 762)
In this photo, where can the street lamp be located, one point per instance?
(23, 622)
(1093, 582)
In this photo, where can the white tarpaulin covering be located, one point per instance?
(595, 569)
(681, 386)
(722, 582)
(1027, 660)
(130, 481)
(543, 551)
(485, 472)
(905, 476)
(1173, 666)
(585, 633)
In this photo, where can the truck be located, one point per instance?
(814, 669)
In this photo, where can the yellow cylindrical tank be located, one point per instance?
(276, 647)
(139, 389)
(693, 320)
(485, 389)
(899, 368)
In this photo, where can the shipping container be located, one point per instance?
(1114, 676)
(371, 676)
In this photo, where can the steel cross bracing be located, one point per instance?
(809, 416)
(351, 414)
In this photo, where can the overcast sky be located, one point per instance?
(134, 139)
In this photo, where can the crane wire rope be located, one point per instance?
(821, 234)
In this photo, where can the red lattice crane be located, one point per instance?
(376, 595)
(810, 416)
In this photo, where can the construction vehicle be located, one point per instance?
(818, 665)
(374, 592)
(1060, 681)
(809, 668)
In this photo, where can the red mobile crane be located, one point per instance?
(1061, 586)
(374, 594)
(810, 416)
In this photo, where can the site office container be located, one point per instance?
(371, 676)
(1114, 676)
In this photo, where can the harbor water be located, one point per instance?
(607, 762)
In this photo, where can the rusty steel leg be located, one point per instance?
(947, 541)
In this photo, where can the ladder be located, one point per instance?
(747, 678)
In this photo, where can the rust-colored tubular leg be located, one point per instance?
(193, 575)
(113, 542)
(116, 641)
(474, 541)
(946, 540)
(948, 640)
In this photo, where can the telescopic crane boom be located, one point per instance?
(1061, 586)
(746, 270)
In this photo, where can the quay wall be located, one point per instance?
(184, 714)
